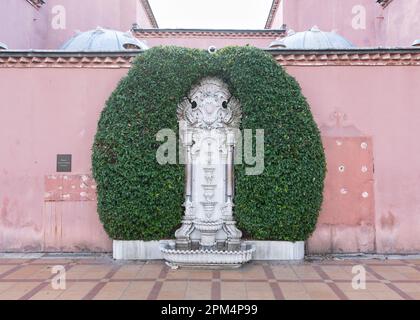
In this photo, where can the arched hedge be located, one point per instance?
(140, 199)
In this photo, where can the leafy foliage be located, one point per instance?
(140, 199)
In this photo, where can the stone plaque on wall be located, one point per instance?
(63, 162)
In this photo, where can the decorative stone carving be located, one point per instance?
(208, 118)
(210, 106)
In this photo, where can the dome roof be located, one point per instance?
(103, 40)
(416, 43)
(312, 39)
(3, 46)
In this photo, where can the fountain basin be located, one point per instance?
(207, 258)
(264, 250)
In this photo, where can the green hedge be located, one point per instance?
(140, 199)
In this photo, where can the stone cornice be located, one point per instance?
(36, 3)
(352, 57)
(384, 3)
(149, 13)
(272, 14)
(221, 33)
(63, 59)
(112, 60)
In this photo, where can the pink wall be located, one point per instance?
(380, 102)
(111, 14)
(21, 25)
(301, 15)
(24, 27)
(401, 23)
(46, 111)
(398, 25)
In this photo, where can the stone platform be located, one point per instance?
(264, 250)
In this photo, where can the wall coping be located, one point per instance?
(285, 57)
(384, 3)
(149, 13)
(220, 33)
(272, 14)
(36, 3)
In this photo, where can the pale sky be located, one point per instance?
(211, 14)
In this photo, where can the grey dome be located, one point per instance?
(103, 40)
(312, 39)
(3, 46)
(416, 43)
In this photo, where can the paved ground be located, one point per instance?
(103, 278)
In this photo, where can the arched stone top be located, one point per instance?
(210, 105)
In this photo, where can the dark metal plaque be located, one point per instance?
(63, 162)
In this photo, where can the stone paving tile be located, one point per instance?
(13, 261)
(336, 262)
(76, 290)
(127, 272)
(17, 290)
(381, 262)
(389, 295)
(52, 261)
(198, 290)
(292, 287)
(231, 274)
(284, 272)
(297, 296)
(320, 291)
(151, 270)
(305, 272)
(102, 278)
(25, 272)
(88, 271)
(389, 273)
(253, 272)
(4, 268)
(377, 287)
(259, 291)
(233, 291)
(415, 295)
(360, 296)
(347, 287)
(408, 272)
(337, 272)
(138, 290)
(200, 274)
(174, 290)
(112, 291)
(409, 287)
(178, 274)
(47, 293)
(5, 286)
(369, 276)
(44, 273)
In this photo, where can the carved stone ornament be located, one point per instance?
(209, 105)
(208, 118)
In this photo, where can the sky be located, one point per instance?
(211, 14)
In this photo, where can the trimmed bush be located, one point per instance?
(138, 199)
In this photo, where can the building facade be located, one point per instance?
(364, 99)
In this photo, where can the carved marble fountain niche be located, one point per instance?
(209, 118)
